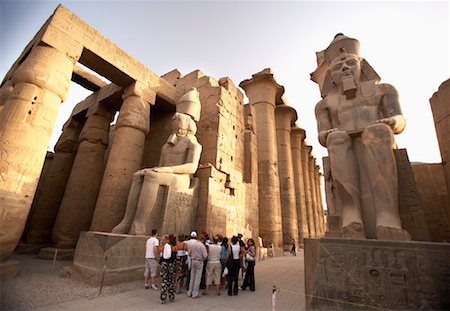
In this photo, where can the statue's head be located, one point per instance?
(343, 58)
(183, 124)
(340, 64)
(189, 104)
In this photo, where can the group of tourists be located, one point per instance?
(197, 262)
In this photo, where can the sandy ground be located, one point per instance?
(38, 285)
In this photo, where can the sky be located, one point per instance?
(406, 42)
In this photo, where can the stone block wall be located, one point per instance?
(430, 179)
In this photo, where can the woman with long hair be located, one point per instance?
(250, 256)
(168, 269)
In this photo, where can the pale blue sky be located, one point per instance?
(407, 43)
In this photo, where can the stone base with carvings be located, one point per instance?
(115, 258)
(375, 274)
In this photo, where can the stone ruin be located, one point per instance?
(256, 173)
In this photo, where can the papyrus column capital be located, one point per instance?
(263, 88)
(135, 110)
(47, 68)
(285, 116)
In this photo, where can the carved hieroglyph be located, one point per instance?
(179, 160)
(357, 119)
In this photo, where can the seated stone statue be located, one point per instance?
(179, 160)
(357, 120)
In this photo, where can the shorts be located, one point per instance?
(213, 272)
(151, 265)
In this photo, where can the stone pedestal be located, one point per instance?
(371, 274)
(115, 258)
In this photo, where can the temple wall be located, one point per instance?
(430, 179)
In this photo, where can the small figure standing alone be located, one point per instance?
(294, 248)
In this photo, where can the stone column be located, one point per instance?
(125, 157)
(284, 118)
(262, 91)
(79, 199)
(322, 215)
(27, 118)
(297, 138)
(315, 209)
(318, 199)
(306, 150)
(46, 208)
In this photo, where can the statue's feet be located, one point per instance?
(354, 230)
(120, 228)
(392, 234)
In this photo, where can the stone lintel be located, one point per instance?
(87, 79)
(104, 95)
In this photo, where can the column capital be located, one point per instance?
(299, 133)
(309, 149)
(285, 116)
(263, 87)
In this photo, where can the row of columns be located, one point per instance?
(96, 194)
(290, 204)
(79, 192)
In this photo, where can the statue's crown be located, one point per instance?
(189, 104)
(341, 44)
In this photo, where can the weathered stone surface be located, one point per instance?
(9, 268)
(306, 150)
(77, 206)
(357, 126)
(125, 158)
(40, 85)
(263, 92)
(47, 203)
(297, 137)
(440, 107)
(110, 257)
(431, 185)
(285, 116)
(369, 274)
(409, 202)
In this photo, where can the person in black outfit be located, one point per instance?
(234, 253)
(250, 256)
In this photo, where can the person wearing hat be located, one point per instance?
(198, 254)
(179, 160)
(357, 119)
